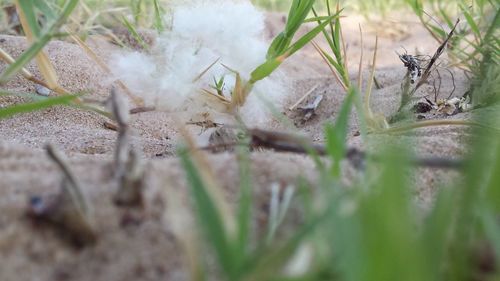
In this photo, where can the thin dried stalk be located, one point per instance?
(222, 99)
(129, 170)
(142, 109)
(24, 72)
(92, 55)
(240, 92)
(303, 97)
(344, 50)
(370, 80)
(198, 77)
(121, 114)
(434, 58)
(293, 143)
(360, 68)
(43, 61)
(69, 211)
(73, 188)
(335, 74)
(431, 123)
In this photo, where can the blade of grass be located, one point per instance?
(205, 70)
(31, 28)
(92, 55)
(336, 135)
(270, 65)
(245, 203)
(38, 105)
(278, 209)
(131, 29)
(24, 72)
(31, 96)
(471, 22)
(491, 228)
(436, 231)
(47, 9)
(208, 216)
(28, 18)
(38, 44)
(158, 17)
(338, 49)
(343, 57)
(332, 65)
(296, 16)
(268, 262)
(360, 68)
(370, 81)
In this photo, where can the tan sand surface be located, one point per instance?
(136, 245)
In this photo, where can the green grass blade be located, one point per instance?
(470, 21)
(27, 7)
(436, 230)
(208, 216)
(334, 44)
(438, 32)
(159, 26)
(280, 43)
(245, 203)
(135, 34)
(416, 6)
(38, 45)
(338, 67)
(336, 135)
(328, 38)
(46, 10)
(30, 96)
(493, 191)
(316, 19)
(491, 228)
(390, 249)
(296, 17)
(272, 64)
(268, 262)
(446, 17)
(23, 59)
(491, 198)
(304, 40)
(336, 37)
(265, 69)
(38, 105)
(137, 10)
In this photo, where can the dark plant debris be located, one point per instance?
(68, 211)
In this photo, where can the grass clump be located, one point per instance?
(333, 35)
(282, 47)
(39, 38)
(474, 48)
(370, 229)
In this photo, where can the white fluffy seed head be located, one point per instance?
(201, 32)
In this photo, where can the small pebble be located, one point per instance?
(41, 90)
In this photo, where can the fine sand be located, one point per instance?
(140, 244)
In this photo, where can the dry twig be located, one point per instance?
(284, 142)
(129, 169)
(69, 211)
(434, 58)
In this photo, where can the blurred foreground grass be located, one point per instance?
(368, 230)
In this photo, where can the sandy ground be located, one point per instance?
(140, 245)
